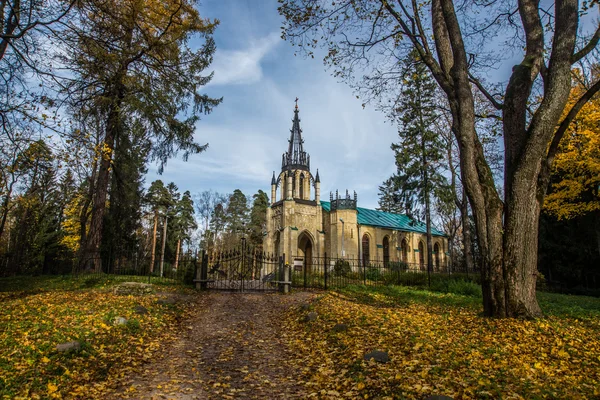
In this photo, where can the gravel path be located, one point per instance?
(232, 346)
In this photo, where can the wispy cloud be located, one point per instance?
(243, 66)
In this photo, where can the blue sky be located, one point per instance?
(259, 78)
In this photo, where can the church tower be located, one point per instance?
(294, 218)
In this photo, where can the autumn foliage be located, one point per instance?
(439, 349)
(576, 174)
(33, 323)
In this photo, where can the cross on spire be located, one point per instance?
(296, 103)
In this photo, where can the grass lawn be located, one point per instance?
(38, 313)
(438, 343)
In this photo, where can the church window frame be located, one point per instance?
(436, 256)
(366, 245)
(421, 254)
(386, 251)
(301, 187)
(404, 250)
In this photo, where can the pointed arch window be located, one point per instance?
(386, 251)
(421, 255)
(301, 186)
(404, 250)
(365, 249)
(436, 251)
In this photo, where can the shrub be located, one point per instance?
(341, 268)
(373, 274)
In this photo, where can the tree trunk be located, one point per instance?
(427, 210)
(177, 254)
(164, 241)
(153, 251)
(5, 205)
(92, 256)
(466, 232)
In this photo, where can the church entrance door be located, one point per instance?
(305, 250)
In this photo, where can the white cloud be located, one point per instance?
(243, 66)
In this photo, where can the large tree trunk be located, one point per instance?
(5, 207)
(177, 254)
(92, 258)
(466, 232)
(164, 242)
(427, 210)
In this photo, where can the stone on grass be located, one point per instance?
(439, 397)
(340, 328)
(134, 288)
(69, 346)
(168, 300)
(311, 316)
(120, 321)
(379, 356)
(141, 310)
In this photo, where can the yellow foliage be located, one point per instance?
(33, 325)
(71, 225)
(444, 350)
(576, 171)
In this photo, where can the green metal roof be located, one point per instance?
(399, 222)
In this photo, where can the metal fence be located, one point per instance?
(325, 273)
(141, 270)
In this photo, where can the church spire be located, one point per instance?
(296, 157)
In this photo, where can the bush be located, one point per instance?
(398, 266)
(341, 268)
(373, 274)
(444, 284)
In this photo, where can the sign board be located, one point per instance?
(298, 264)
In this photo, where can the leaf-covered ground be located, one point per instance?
(439, 344)
(223, 345)
(233, 347)
(35, 321)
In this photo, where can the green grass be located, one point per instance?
(34, 284)
(552, 304)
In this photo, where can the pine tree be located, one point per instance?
(123, 217)
(158, 200)
(237, 214)
(258, 215)
(184, 222)
(132, 64)
(389, 198)
(420, 151)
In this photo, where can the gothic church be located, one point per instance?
(301, 226)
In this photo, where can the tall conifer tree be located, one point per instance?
(420, 151)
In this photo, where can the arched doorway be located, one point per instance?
(421, 255)
(404, 250)
(436, 251)
(305, 250)
(365, 249)
(386, 251)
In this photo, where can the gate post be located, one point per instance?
(203, 271)
(325, 268)
(280, 274)
(286, 279)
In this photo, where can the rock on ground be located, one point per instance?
(133, 288)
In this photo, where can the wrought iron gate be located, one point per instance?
(242, 268)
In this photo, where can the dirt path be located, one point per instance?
(233, 346)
